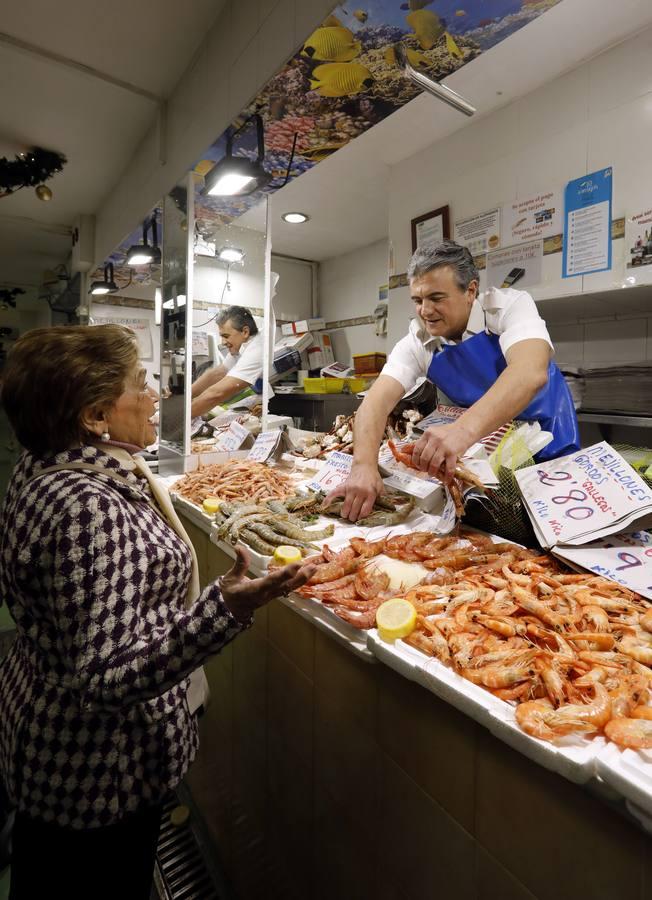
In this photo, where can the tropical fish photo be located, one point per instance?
(332, 44)
(340, 79)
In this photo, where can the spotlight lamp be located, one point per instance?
(235, 176)
(230, 254)
(295, 218)
(438, 90)
(145, 254)
(107, 285)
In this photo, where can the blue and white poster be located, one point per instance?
(587, 238)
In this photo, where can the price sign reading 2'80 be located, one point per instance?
(572, 500)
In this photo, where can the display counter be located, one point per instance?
(324, 773)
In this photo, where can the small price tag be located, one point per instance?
(264, 446)
(417, 487)
(233, 438)
(333, 473)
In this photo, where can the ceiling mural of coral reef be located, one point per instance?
(345, 79)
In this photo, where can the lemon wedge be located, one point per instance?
(395, 619)
(211, 505)
(284, 555)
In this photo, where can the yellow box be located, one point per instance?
(334, 385)
(314, 385)
(357, 384)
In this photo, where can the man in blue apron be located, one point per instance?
(490, 353)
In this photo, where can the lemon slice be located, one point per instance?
(284, 555)
(211, 505)
(395, 619)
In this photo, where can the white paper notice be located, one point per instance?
(537, 216)
(624, 558)
(479, 233)
(333, 473)
(588, 237)
(503, 263)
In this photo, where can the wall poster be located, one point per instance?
(638, 246)
(479, 233)
(519, 266)
(587, 238)
(537, 216)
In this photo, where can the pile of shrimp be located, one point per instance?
(574, 651)
(237, 479)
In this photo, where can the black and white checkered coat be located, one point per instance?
(94, 721)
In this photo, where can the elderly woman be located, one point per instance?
(95, 726)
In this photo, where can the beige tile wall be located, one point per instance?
(323, 776)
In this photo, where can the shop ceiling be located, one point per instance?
(98, 123)
(136, 53)
(346, 196)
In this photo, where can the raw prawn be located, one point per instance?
(633, 733)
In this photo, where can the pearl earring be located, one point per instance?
(105, 436)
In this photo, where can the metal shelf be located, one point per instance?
(615, 419)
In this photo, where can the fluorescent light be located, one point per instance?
(157, 306)
(229, 184)
(295, 218)
(230, 254)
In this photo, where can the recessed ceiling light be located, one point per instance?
(295, 218)
(230, 254)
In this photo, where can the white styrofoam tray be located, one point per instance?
(574, 758)
(630, 773)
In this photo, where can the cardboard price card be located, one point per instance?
(265, 445)
(624, 558)
(233, 438)
(333, 473)
(582, 497)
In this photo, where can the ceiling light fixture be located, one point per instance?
(145, 254)
(107, 285)
(235, 176)
(295, 218)
(438, 90)
(230, 254)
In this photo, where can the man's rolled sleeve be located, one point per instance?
(520, 321)
(404, 364)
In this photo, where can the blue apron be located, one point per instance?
(466, 371)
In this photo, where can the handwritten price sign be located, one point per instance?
(625, 559)
(265, 445)
(584, 496)
(233, 438)
(333, 473)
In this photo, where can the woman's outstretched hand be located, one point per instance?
(243, 596)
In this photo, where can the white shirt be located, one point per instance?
(509, 313)
(247, 365)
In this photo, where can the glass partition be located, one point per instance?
(176, 337)
(231, 282)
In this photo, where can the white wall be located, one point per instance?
(348, 288)
(597, 115)
(293, 299)
(248, 43)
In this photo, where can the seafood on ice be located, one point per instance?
(572, 651)
(399, 427)
(235, 480)
(265, 526)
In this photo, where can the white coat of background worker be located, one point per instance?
(490, 353)
(241, 368)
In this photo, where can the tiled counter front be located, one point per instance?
(324, 776)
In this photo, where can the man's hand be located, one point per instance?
(438, 449)
(359, 490)
(243, 596)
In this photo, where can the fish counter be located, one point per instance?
(541, 658)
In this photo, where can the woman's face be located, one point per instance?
(130, 419)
